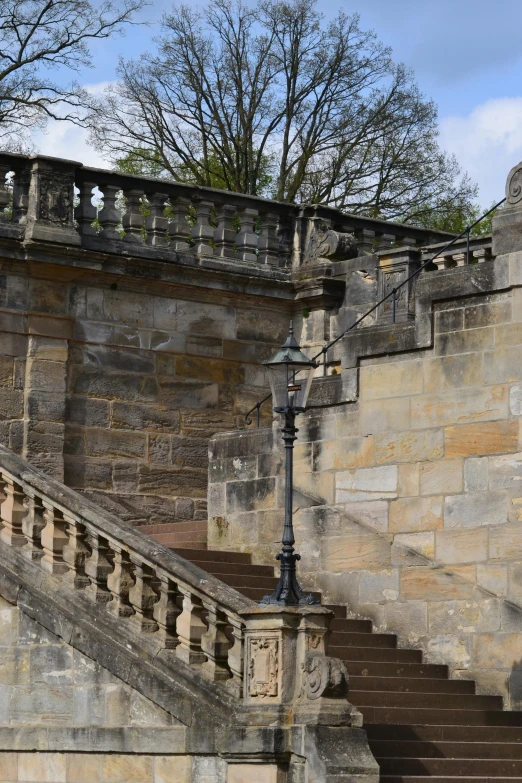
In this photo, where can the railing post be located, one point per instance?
(247, 238)
(166, 611)
(133, 221)
(50, 212)
(85, 212)
(98, 568)
(268, 242)
(54, 538)
(157, 223)
(190, 628)
(32, 525)
(109, 216)
(225, 233)
(120, 582)
(202, 231)
(214, 644)
(236, 655)
(142, 597)
(12, 512)
(179, 229)
(75, 553)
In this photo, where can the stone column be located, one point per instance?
(44, 403)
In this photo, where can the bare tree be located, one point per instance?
(40, 36)
(269, 99)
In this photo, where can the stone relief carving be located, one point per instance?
(56, 201)
(331, 245)
(324, 677)
(263, 667)
(514, 185)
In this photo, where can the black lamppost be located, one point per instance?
(290, 373)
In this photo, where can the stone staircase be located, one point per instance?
(420, 724)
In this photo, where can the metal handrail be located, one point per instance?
(392, 294)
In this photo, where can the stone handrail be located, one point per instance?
(204, 222)
(139, 581)
(480, 250)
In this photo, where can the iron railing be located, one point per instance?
(391, 295)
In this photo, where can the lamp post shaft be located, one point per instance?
(288, 592)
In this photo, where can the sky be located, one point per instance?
(466, 55)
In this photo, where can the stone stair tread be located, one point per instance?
(423, 749)
(213, 555)
(220, 569)
(411, 685)
(381, 669)
(437, 700)
(446, 733)
(446, 779)
(432, 716)
(346, 625)
(354, 639)
(375, 654)
(454, 767)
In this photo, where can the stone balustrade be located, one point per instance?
(160, 594)
(53, 200)
(480, 250)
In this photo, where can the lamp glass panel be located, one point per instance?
(278, 377)
(290, 384)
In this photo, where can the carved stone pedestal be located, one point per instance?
(507, 223)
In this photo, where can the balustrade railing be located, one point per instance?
(60, 200)
(183, 608)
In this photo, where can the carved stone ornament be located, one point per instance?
(263, 667)
(329, 244)
(56, 202)
(514, 185)
(324, 677)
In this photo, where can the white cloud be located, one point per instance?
(487, 143)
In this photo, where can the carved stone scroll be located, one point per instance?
(324, 677)
(263, 666)
(325, 243)
(514, 185)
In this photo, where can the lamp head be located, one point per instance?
(290, 373)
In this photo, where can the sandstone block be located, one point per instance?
(88, 381)
(448, 649)
(476, 474)
(409, 446)
(348, 553)
(261, 773)
(465, 341)
(14, 661)
(172, 769)
(505, 543)
(236, 469)
(408, 620)
(384, 415)
(487, 314)
(409, 479)
(177, 481)
(169, 342)
(118, 359)
(179, 394)
(508, 334)
(408, 515)
(458, 617)
(6, 371)
(343, 453)
(413, 548)
(46, 406)
(452, 372)
(505, 472)
(126, 307)
(47, 296)
(459, 406)
(379, 586)
(475, 510)
(42, 767)
(87, 474)
(252, 495)
(366, 484)
(89, 412)
(461, 546)
(206, 319)
(216, 500)
(8, 767)
(258, 325)
(164, 312)
(372, 514)
(492, 577)
(489, 438)
(449, 320)
(503, 365)
(397, 379)
(443, 477)
(189, 451)
(312, 488)
(435, 584)
(207, 369)
(11, 404)
(497, 650)
(45, 376)
(52, 665)
(47, 349)
(213, 346)
(129, 768)
(515, 579)
(515, 399)
(84, 767)
(44, 704)
(140, 416)
(114, 443)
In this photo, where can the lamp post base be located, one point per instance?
(288, 591)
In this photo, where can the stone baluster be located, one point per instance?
(246, 240)
(85, 212)
(441, 262)
(179, 229)
(5, 195)
(268, 242)
(166, 612)
(12, 512)
(32, 525)
(236, 655)
(202, 232)
(142, 597)
(98, 568)
(482, 254)
(190, 628)
(75, 553)
(133, 220)
(54, 538)
(109, 217)
(459, 259)
(157, 223)
(406, 241)
(225, 233)
(21, 182)
(214, 644)
(120, 582)
(385, 241)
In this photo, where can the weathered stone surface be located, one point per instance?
(409, 446)
(384, 415)
(490, 438)
(465, 341)
(452, 372)
(343, 453)
(372, 514)
(476, 474)
(354, 552)
(398, 379)
(416, 514)
(366, 484)
(470, 511)
(461, 546)
(427, 584)
(441, 477)
(459, 407)
(112, 443)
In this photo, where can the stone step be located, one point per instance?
(249, 580)
(445, 750)
(442, 701)
(458, 779)
(191, 534)
(369, 654)
(365, 668)
(213, 555)
(411, 685)
(441, 733)
(219, 569)
(452, 767)
(430, 717)
(351, 626)
(350, 639)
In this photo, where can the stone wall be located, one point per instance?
(408, 499)
(116, 386)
